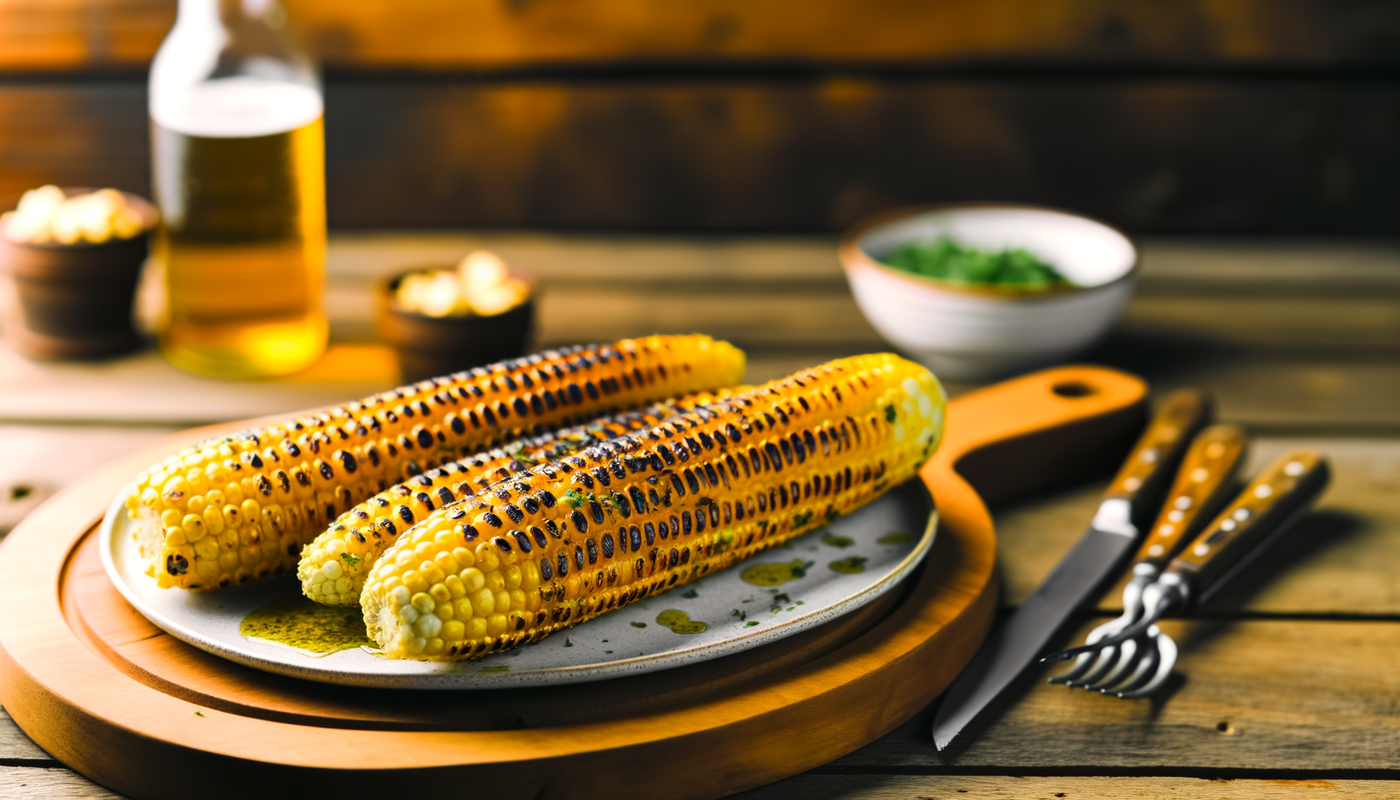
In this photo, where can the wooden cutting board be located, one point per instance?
(142, 713)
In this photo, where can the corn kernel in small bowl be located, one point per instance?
(445, 319)
(482, 284)
(75, 256)
(51, 216)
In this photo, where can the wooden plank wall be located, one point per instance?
(1197, 117)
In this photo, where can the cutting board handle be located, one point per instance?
(1029, 434)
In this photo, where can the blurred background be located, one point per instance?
(1201, 117)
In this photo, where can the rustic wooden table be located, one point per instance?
(1288, 684)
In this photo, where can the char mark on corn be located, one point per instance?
(693, 495)
(241, 507)
(333, 567)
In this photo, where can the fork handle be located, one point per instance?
(1148, 468)
(1200, 487)
(1266, 508)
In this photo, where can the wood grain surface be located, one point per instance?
(17, 749)
(49, 782)
(71, 34)
(1030, 787)
(1286, 155)
(1252, 698)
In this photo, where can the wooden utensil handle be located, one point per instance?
(1144, 475)
(1264, 509)
(1011, 438)
(1201, 485)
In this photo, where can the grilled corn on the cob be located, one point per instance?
(333, 567)
(241, 507)
(557, 544)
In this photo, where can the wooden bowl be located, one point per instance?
(431, 346)
(75, 299)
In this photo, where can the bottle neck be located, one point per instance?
(225, 11)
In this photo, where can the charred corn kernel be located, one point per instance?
(315, 467)
(361, 534)
(648, 511)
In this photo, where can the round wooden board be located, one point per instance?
(138, 711)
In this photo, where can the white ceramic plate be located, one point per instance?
(885, 541)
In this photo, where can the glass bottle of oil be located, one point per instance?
(239, 175)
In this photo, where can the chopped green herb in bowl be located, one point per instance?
(946, 260)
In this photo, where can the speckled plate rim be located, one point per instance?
(433, 676)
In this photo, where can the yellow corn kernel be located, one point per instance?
(476, 629)
(495, 581)
(431, 573)
(487, 559)
(440, 593)
(453, 631)
(530, 575)
(413, 581)
(423, 603)
(483, 603)
(512, 575)
(496, 625)
(193, 526)
(462, 608)
(473, 579)
(213, 519)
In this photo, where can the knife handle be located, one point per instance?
(1144, 475)
(1201, 486)
(1014, 437)
(1266, 508)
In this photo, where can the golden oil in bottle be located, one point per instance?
(240, 179)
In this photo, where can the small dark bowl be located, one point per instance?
(75, 299)
(432, 346)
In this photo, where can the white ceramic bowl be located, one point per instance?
(978, 333)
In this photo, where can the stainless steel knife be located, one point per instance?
(1129, 503)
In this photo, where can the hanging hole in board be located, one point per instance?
(1073, 389)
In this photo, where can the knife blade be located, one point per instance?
(1128, 503)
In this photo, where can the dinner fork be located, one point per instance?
(1201, 485)
(1259, 516)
